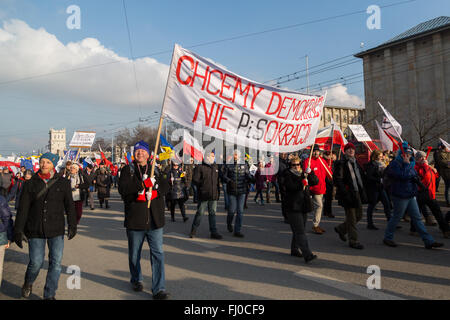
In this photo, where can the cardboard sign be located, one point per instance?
(360, 133)
(82, 139)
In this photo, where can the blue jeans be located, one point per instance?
(36, 248)
(195, 190)
(236, 205)
(400, 207)
(155, 241)
(211, 205)
(226, 197)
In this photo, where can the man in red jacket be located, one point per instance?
(321, 170)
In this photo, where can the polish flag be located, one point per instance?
(387, 141)
(192, 147)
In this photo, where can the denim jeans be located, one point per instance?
(379, 196)
(155, 241)
(211, 205)
(236, 205)
(194, 188)
(36, 248)
(400, 207)
(226, 197)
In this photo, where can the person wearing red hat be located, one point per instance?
(350, 194)
(322, 171)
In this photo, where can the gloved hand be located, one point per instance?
(71, 233)
(18, 237)
(151, 196)
(150, 182)
(308, 170)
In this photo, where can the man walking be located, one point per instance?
(143, 223)
(350, 194)
(322, 171)
(40, 220)
(206, 177)
(237, 177)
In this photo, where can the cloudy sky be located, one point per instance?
(98, 78)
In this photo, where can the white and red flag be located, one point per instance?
(192, 147)
(387, 141)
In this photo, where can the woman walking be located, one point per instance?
(299, 203)
(103, 182)
(77, 183)
(177, 192)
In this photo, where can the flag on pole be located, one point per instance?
(445, 143)
(390, 125)
(192, 147)
(387, 141)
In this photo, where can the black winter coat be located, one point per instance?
(298, 198)
(137, 215)
(43, 216)
(373, 183)
(103, 183)
(177, 185)
(237, 177)
(345, 192)
(206, 177)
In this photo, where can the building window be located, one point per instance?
(337, 118)
(345, 118)
(329, 118)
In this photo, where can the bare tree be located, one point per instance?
(429, 127)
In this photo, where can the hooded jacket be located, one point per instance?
(402, 177)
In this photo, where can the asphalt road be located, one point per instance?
(256, 267)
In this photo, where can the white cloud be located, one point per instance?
(337, 95)
(27, 52)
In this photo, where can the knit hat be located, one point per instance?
(50, 156)
(142, 145)
(420, 154)
(349, 145)
(316, 148)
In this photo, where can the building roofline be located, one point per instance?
(393, 43)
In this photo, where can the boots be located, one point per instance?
(429, 221)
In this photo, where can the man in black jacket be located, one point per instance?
(40, 218)
(206, 177)
(350, 194)
(237, 177)
(140, 221)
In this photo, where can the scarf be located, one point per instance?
(74, 180)
(45, 177)
(353, 167)
(295, 172)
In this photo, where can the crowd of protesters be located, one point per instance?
(305, 184)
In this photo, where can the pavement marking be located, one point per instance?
(371, 294)
(202, 242)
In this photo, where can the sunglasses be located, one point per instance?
(296, 164)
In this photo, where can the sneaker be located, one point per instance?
(389, 243)
(429, 221)
(230, 228)
(434, 245)
(341, 235)
(356, 245)
(216, 236)
(162, 295)
(371, 227)
(317, 230)
(296, 253)
(138, 286)
(238, 235)
(27, 289)
(310, 258)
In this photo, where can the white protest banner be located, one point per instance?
(203, 95)
(82, 139)
(359, 132)
(390, 124)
